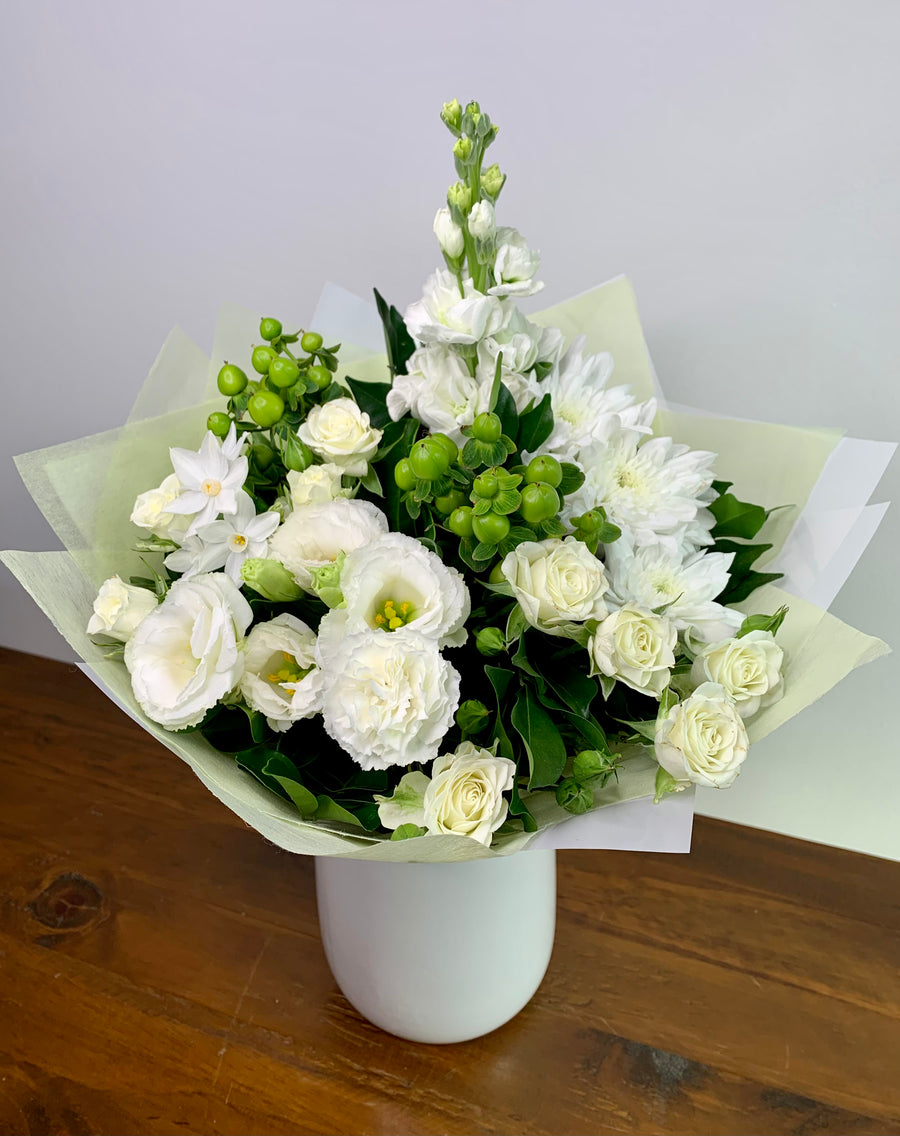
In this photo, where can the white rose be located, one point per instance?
(389, 699)
(556, 582)
(636, 647)
(314, 535)
(281, 679)
(443, 316)
(465, 795)
(748, 668)
(149, 511)
(397, 582)
(439, 390)
(703, 739)
(185, 655)
(340, 432)
(119, 608)
(515, 265)
(448, 233)
(316, 484)
(481, 220)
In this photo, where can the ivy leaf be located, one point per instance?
(545, 748)
(372, 398)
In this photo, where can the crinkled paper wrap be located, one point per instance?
(86, 490)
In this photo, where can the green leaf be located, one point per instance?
(571, 685)
(763, 622)
(328, 809)
(368, 816)
(721, 487)
(372, 398)
(304, 800)
(497, 383)
(515, 624)
(666, 784)
(398, 341)
(483, 552)
(739, 590)
(543, 744)
(268, 765)
(372, 482)
(520, 659)
(535, 426)
(736, 518)
(518, 808)
(645, 729)
(572, 479)
(505, 409)
(506, 501)
(500, 679)
(408, 832)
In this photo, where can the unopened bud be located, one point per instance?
(448, 233)
(492, 181)
(270, 579)
(472, 716)
(490, 641)
(451, 115)
(481, 220)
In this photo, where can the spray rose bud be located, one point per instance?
(490, 641)
(451, 115)
(573, 796)
(448, 233)
(472, 716)
(270, 579)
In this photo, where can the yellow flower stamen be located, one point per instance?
(290, 672)
(393, 615)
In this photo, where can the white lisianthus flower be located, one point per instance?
(186, 655)
(749, 670)
(150, 511)
(119, 608)
(340, 433)
(636, 647)
(702, 739)
(389, 699)
(481, 220)
(556, 582)
(439, 391)
(226, 543)
(210, 479)
(465, 795)
(397, 582)
(515, 266)
(314, 535)
(654, 577)
(449, 234)
(281, 678)
(316, 484)
(443, 316)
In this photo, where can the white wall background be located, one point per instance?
(739, 161)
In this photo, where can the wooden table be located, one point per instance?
(161, 971)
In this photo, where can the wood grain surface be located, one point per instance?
(161, 971)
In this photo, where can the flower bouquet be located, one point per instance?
(433, 606)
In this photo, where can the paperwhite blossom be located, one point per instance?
(226, 543)
(515, 266)
(314, 535)
(444, 316)
(210, 479)
(439, 390)
(281, 678)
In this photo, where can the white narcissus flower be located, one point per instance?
(748, 668)
(314, 535)
(281, 678)
(702, 739)
(443, 316)
(465, 795)
(397, 582)
(557, 582)
(226, 543)
(439, 390)
(449, 234)
(481, 220)
(119, 608)
(389, 699)
(636, 647)
(186, 655)
(316, 484)
(210, 479)
(339, 432)
(150, 511)
(515, 265)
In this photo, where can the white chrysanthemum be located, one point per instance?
(653, 491)
(389, 699)
(314, 535)
(439, 390)
(210, 479)
(515, 265)
(444, 316)
(397, 582)
(226, 543)
(653, 577)
(281, 678)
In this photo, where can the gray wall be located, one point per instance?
(739, 161)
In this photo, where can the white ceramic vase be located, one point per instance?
(438, 952)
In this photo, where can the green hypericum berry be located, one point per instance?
(429, 460)
(450, 447)
(266, 408)
(589, 522)
(262, 359)
(218, 423)
(449, 501)
(486, 484)
(487, 427)
(496, 574)
(544, 468)
(491, 528)
(311, 341)
(403, 475)
(540, 502)
(320, 375)
(460, 521)
(269, 328)
(231, 380)
(283, 372)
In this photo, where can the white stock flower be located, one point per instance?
(316, 484)
(481, 220)
(439, 391)
(443, 316)
(281, 678)
(340, 433)
(389, 699)
(635, 647)
(515, 266)
(448, 233)
(186, 655)
(226, 543)
(314, 535)
(702, 739)
(749, 670)
(150, 511)
(119, 608)
(556, 582)
(465, 794)
(210, 479)
(654, 577)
